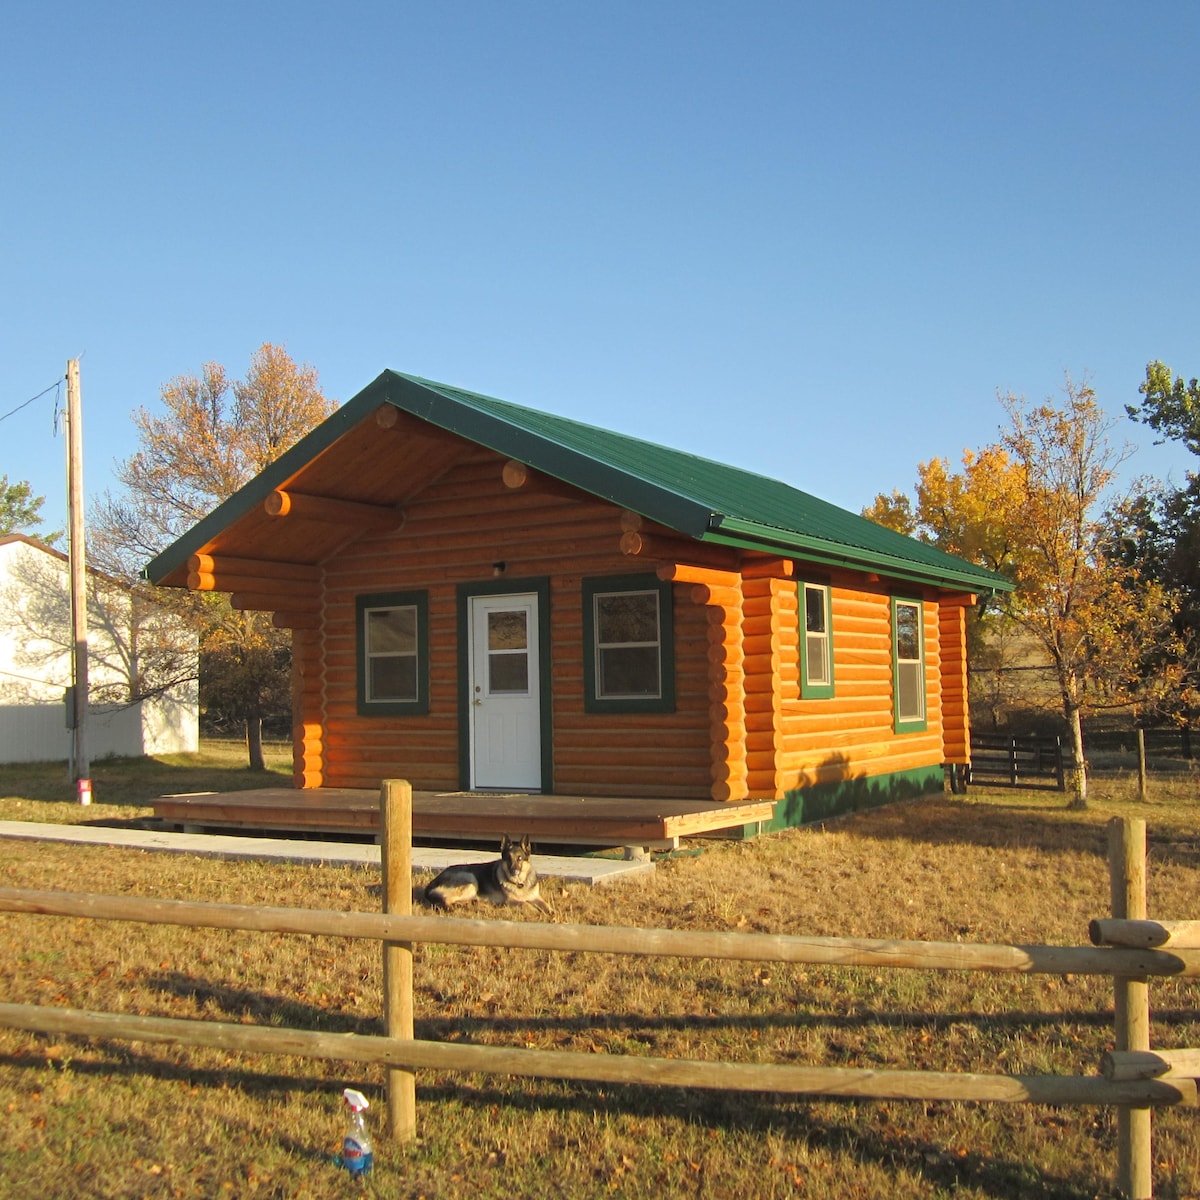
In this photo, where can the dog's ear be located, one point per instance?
(505, 843)
(525, 843)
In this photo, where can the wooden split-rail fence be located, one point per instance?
(1126, 946)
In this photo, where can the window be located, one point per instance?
(508, 653)
(628, 653)
(908, 659)
(393, 653)
(816, 642)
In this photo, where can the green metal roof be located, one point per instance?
(701, 499)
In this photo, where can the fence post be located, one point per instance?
(1141, 759)
(395, 803)
(1012, 761)
(1131, 1008)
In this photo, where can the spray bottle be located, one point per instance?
(358, 1155)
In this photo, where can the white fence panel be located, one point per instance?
(33, 733)
(38, 732)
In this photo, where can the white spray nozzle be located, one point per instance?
(356, 1100)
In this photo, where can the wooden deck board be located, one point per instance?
(611, 820)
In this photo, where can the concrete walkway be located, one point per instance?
(357, 854)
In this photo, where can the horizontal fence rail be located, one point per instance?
(851, 1082)
(612, 939)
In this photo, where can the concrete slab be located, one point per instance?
(591, 871)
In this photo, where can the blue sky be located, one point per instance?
(812, 240)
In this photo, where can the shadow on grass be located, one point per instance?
(278, 1010)
(761, 1114)
(756, 1114)
(263, 1008)
(1011, 1023)
(1006, 823)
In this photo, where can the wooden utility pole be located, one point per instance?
(81, 767)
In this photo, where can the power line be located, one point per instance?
(12, 412)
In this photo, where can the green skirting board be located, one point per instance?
(819, 802)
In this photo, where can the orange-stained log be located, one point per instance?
(762, 626)
(722, 597)
(330, 511)
(202, 581)
(677, 550)
(519, 477)
(226, 564)
(726, 654)
(768, 568)
(686, 573)
(722, 617)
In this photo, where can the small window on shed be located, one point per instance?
(628, 651)
(393, 654)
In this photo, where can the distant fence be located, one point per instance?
(1028, 762)
(1160, 742)
(1127, 947)
(1041, 760)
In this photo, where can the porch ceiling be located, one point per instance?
(376, 464)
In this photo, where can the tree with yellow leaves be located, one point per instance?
(211, 435)
(1030, 506)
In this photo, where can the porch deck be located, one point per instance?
(465, 816)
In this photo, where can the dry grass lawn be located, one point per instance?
(99, 1119)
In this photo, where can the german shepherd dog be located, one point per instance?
(509, 879)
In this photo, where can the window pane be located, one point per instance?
(908, 632)
(814, 609)
(508, 630)
(393, 678)
(508, 673)
(392, 630)
(910, 699)
(816, 651)
(629, 671)
(627, 618)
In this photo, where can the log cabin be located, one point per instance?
(487, 598)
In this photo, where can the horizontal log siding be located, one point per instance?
(627, 754)
(956, 714)
(455, 530)
(851, 734)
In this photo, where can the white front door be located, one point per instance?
(503, 692)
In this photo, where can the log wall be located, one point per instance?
(740, 727)
(851, 734)
(456, 530)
